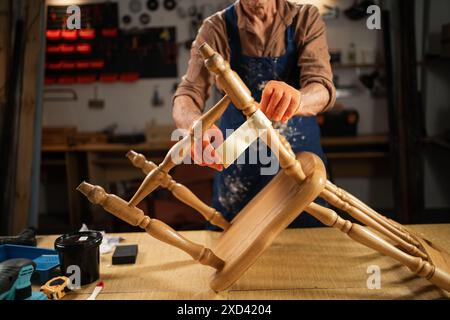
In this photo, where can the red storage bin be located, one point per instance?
(84, 48)
(129, 77)
(108, 78)
(97, 64)
(87, 34)
(69, 35)
(67, 48)
(53, 35)
(53, 48)
(87, 78)
(82, 64)
(66, 80)
(110, 32)
(68, 65)
(54, 65)
(50, 80)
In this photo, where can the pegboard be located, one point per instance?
(100, 51)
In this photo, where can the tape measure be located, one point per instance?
(56, 288)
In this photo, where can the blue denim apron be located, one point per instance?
(238, 184)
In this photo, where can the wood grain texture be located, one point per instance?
(301, 264)
(419, 266)
(27, 116)
(240, 95)
(301, 181)
(390, 225)
(181, 192)
(363, 217)
(156, 228)
(4, 50)
(258, 224)
(179, 151)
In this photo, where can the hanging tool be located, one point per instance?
(358, 10)
(331, 12)
(152, 5)
(157, 101)
(144, 18)
(96, 103)
(126, 19)
(135, 6)
(170, 4)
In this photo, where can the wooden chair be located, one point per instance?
(301, 180)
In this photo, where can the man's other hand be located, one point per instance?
(280, 101)
(204, 154)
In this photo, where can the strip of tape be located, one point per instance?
(242, 138)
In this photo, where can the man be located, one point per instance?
(280, 51)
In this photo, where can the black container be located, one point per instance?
(80, 249)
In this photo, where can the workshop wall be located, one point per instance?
(341, 33)
(436, 81)
(135, 99)
(373, 111)
(129, 105)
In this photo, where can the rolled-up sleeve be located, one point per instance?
(197, 81)
(314, 56)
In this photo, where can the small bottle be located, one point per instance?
(352, 53)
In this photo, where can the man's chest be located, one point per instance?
(271, 43)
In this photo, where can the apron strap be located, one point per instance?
(234, 39)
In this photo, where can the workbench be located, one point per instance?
(104, 163)
(301, 264)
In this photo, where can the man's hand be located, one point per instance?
(280, 101)
(204, 153)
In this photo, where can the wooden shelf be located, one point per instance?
(359, 147)
(53, 162)
(357, 155)
(356, 66)
(367, 140)
(438, 142)
(432, 60)
(109, 147)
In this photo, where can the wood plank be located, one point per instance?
(27, 116)
(360, 167)
(357, 66)
(109, 147)
(5, 39)
(165, 146)
(368, 140)
(357, 155)
(301, 264)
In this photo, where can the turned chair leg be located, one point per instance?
(364, 236)
(179, 151)
(180, 191)
(389, 224)
(367, 220)
(157, 229)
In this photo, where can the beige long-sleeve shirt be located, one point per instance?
(310, 35)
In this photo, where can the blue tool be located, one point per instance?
(46, 260)
(15, 280)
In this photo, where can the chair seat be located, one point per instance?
(265, 216)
